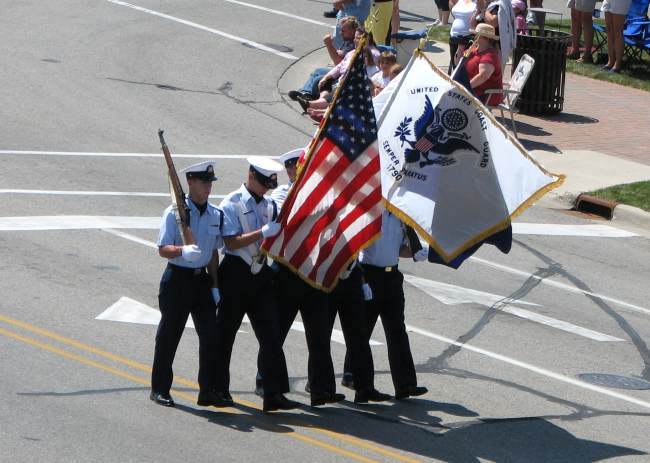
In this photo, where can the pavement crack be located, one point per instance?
(639, 343)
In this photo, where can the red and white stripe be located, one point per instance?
(423, 145)
(336, 210)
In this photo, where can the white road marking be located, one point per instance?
(91, 193)
(455, 295)
(573, 230)
(77, 222)
(126, 155)
(281, 13)
(128, 310)
(337, 335)
(604, 231)
(529, 367)
(557, 284)
(226, 35)
(130, 237)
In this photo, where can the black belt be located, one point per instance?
(187, 271)
(375, 268)
(382, 1)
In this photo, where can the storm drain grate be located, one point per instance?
(593, 205)
(615, 381)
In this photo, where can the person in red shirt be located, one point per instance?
(484, 64)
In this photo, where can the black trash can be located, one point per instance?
(544, 90)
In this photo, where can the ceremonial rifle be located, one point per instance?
(181, 210)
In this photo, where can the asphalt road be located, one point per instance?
(500, 343)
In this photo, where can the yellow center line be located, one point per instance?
(190, 397)
(186, 382)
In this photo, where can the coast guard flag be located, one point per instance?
(449, 169)
(334, 208)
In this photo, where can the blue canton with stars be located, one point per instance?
(351, 125)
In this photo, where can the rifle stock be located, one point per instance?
(181, 211)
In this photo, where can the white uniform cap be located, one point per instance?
(293, 154)
(265, 166)
(202, 170)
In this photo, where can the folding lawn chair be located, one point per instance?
(512, 90)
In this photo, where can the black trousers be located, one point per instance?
(184, 292)
(388, 303)
(347, 300)
(253, 295)
(295, 295)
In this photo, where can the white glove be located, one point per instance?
(191, 252)
(346, 273)
(270, 229)
(422, 254)
(367, 292)
(216, 295)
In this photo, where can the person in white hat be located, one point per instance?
(189, 286)
(290, 161)
(246, 285)
(484, 64)
(296, 295)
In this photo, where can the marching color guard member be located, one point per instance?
(386, 300)
(290, 161)
(246, 283)
(347, 299)
(189, 286)
(296, 295)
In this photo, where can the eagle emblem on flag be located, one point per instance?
(438, 134)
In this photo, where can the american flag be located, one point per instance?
(334, 209)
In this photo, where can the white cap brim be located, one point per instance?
(265, 166)
(293, 154)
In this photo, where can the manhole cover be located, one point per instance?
(616, 381)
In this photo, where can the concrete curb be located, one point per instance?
(632, 215)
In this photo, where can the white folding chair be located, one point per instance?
(512, 90)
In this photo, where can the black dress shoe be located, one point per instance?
(347, 381)
(278, 402)
(215, 399)
(327, 398)
(411, 391)
(331, 13)
(162, 398)
(370, 395)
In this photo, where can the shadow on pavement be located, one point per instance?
(413, 426)
(531, 145)
(570, 118)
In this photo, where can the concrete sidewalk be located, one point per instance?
(600, 139)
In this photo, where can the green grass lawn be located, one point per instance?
(635, 75)
(634, 194)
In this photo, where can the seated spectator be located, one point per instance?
(484, 64)
(382, 78)
(309, 90)
(326, 86)
(395, 70)
(519, 9)
(357, 8)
